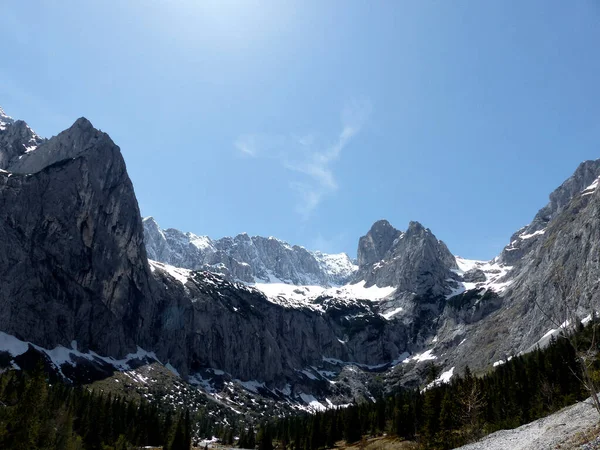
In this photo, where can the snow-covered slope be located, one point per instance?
(474, 274)
(338, 266)
(303, 296)
(5, 120)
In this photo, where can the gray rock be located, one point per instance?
(524, 240)
(16, 139)
(247, 258)
(474, 276)
(556, 276)
(72, 262)
(414, 261)
(374, 246)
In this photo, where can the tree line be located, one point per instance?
(37, 415)
(445, 416)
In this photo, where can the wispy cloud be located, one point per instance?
(246, 145)
(308, 156)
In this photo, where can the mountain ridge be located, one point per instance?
(247, 258)
(76, 278)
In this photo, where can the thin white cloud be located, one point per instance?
(246, 145)
(307, 156)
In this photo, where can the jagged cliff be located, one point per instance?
(247, 258)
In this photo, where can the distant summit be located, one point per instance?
(251, 259)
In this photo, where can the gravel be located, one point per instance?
(546, 433)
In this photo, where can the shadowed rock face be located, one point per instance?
(211, 322)
(374, 246)
(73, 265)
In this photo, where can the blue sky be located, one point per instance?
(309, 120)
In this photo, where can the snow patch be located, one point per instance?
(591, 188)
(312, 402)
(494, 272)
(420, 357)
(252, 385)
(290, 295)
(444, 378)
(388, 315)
(173, 370)
(535, 233)
(11, 344)
(61, 355)
(181, 275)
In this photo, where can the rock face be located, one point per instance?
(235, 328)
(374, 246)
(72, 262)
(555, 272)
(16, 140)
(75, 273)
(413, 261)
(245, 258)
(525, 239)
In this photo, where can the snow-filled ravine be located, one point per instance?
(495, 275)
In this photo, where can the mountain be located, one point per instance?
(250, 259)
(524, 239)
(553, 273)
(79, 291)
(96, 292)
(414, 260)
(73, 265)
(16, 140)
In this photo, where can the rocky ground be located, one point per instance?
(568, 428)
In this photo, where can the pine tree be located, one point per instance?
(352, 425)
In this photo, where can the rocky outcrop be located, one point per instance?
(414, 261)
(246, 258)
(524, 240)
(212, 322)
(374, 246)
(555, 275)
(72, 262)
(16, 140)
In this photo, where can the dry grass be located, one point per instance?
(379, 443)
(581, 438)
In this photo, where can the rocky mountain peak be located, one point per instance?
(77, 139)
(416, 227)
(5, 119)
(524, 239)
(64, 213)
(376, 243)
(412, 261)
(16, 140)
(586, 173)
